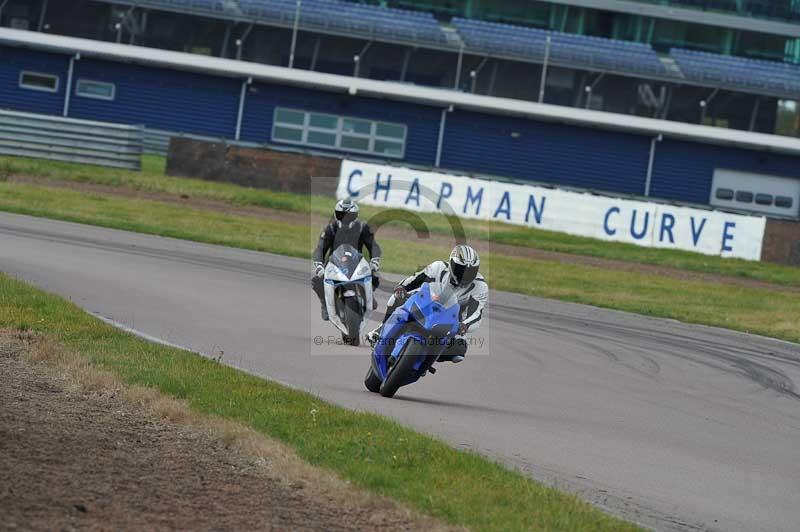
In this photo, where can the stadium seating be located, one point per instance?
(769, 9)
(348, 17)
(505, 40)
(339, 16)
(580, 50)
(738, 72)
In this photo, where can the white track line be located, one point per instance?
(161, 341)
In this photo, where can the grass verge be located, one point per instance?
(767, 312)
(373, 452)
(153, 179)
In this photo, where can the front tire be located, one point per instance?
(372, 381)
(399, 373)
(352, 320)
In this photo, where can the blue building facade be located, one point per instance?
(520, 148)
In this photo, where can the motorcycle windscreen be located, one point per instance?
(346, 258)
(437, 305)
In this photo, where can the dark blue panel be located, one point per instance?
(422, 121)
(683, 171)
(546, 152)
(160, 98)
(15, 60)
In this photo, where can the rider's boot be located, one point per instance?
(324, 312)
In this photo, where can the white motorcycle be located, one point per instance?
(348, 292)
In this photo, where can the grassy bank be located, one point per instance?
(767, 312)
(152, 179)
(458, 487)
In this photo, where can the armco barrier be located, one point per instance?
(66, 139)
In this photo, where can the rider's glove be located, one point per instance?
(319, 269)
(400, 293)
(375, 264)
(462, 328)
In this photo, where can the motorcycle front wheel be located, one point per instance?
(372, 381)
(352, 320)
(402, 369)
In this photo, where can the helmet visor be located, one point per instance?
(346, 216)
(463, 275)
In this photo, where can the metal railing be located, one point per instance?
(66, 139)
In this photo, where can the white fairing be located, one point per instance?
(335, 277)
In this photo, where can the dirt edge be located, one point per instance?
(275, 459)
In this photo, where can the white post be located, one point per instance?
(294, 34)
(42, 15)
(241, 40)
(68, 88)
(240, 115)
(440, 142)
(2, 6)
(458, 66)
(650, 162)
(544, 69)
(754, 114)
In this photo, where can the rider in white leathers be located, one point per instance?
(471, 289)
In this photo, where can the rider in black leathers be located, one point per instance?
(344, 228)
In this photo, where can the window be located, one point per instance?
(95, 89)
(339, 132)
(763, 199)
(784, 202)
(744, 197)
(38, 82)
(725, 194)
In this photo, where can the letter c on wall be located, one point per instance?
(609, 231)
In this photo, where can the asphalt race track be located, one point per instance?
(674, 426)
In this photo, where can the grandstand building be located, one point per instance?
(499, 93)
(726, 63)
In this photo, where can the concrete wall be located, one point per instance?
(258, 168)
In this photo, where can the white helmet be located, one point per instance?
(346, 211)
(464, 265)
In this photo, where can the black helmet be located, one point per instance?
(464, 264)
(346, 211)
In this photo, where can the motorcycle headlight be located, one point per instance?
(417, 314)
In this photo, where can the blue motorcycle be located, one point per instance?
(413, 338)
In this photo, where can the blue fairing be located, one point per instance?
(431, 317)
